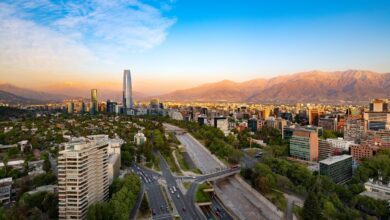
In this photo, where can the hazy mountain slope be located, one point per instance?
(221, 91)
(313, 86)
(6, 97)
(32, 94)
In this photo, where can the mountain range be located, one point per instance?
(314, 86)
(6, 97)
(351, 86)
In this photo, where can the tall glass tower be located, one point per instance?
(127, 90)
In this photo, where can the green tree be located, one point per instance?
(46, 164)
(311, 208)
(144, 208)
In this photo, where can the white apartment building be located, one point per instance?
(82, 177)
(340, 143)
(377, 190)
(222, 123)
(5, 190)
(139, 138)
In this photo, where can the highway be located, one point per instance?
(157, 202)
(185, 208)
(238, 196)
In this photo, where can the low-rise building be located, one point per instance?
(377, 190)
(338, 168)
(361, 151)
(139, 138)
(5, 190)
(46, 188)
(340, 143)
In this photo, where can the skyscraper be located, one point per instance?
(94, 102)
(127, 90)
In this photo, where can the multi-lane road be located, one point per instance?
(157, 201)
(185, 207)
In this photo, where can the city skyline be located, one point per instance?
(180, 44)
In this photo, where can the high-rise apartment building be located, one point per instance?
(127, 91)
(94, 102)
(304, 144)
(82, 177)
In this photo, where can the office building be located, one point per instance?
(328, 123)
(314, 116)
(354, 130)
(378, 116)
(325, 149)
(252, 124)
(304, 144)
(127, 91)
(5, 190)
(287, 132)
(110, 106)
(379, 138)
(202, 120)
(82, 177)
(338, 168)
(70, 107)
(94, 102)
(79, 106)
(154, 104)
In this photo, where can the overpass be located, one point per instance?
(212, 176)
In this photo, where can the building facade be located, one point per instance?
(338, 168)
(127, 91)
(82, 177)
(304, 144)
(5, 190)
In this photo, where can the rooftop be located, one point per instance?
(335, 159)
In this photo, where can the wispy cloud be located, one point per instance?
(45, 34)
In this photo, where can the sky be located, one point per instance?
(176, 44)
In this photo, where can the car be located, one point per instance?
(174, 188)
(184, 209)
(178, 196)
(153, 212)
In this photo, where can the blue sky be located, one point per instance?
(179, 43)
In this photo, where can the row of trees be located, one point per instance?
(124, 194)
